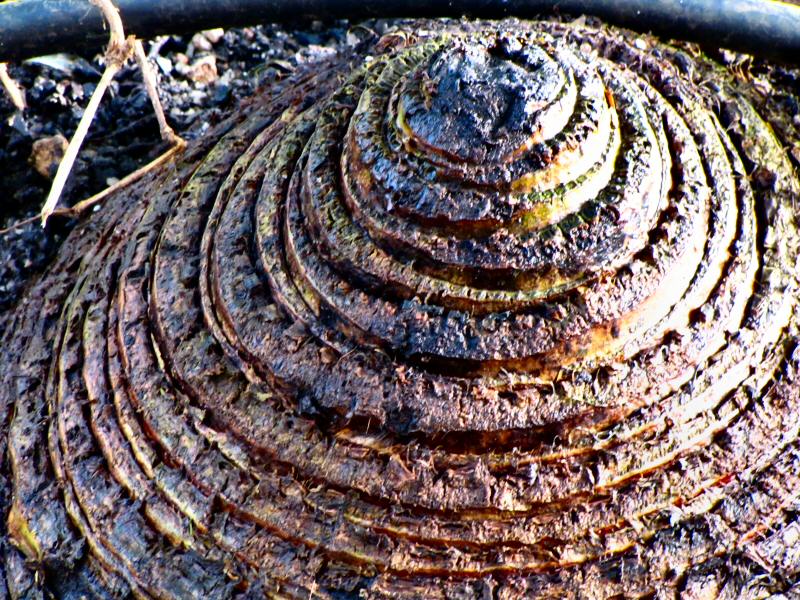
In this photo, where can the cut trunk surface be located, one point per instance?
(483, 309)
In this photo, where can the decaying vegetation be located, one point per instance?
(491, 309)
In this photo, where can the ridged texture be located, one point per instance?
(487, 310)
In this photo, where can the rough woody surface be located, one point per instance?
(478, 310)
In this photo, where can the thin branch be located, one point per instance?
(114, 22)
(119, 50)
(83, 205)
(65, 166)
(149, 78)
(12, 88)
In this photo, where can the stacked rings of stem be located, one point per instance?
(497, 309)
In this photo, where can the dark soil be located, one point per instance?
(124, 134)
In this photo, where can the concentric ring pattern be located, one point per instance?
(486, 310)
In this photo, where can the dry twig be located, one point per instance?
(75, 143)
(119, 50)
(83, 205)
(149, 78)
(13, 89)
